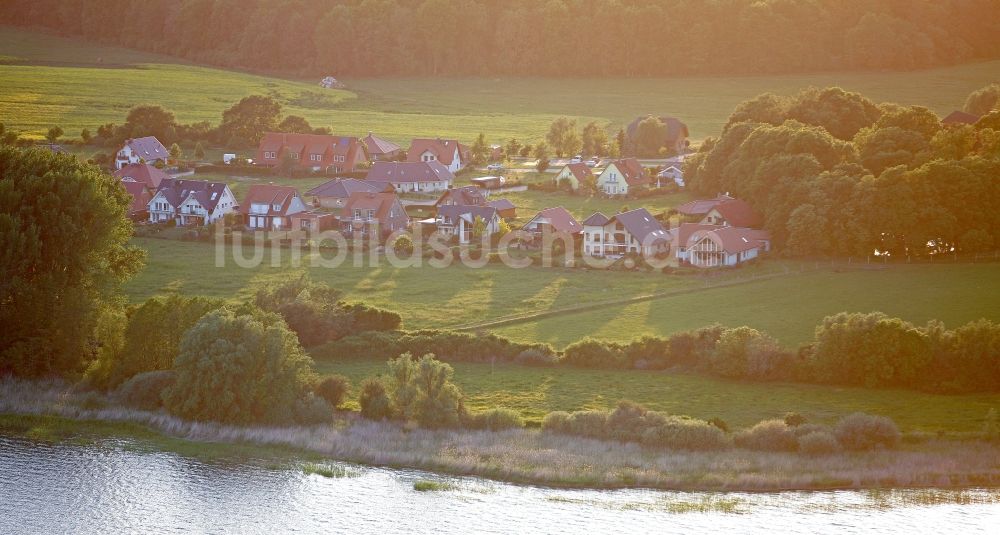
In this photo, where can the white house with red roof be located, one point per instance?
(141, 150)
(575, 174)
(268, 207)
(620, 176)
(190, 202)
(315, 152)
(448, 152)
(635, 231)
(555, 220)
(725, 246)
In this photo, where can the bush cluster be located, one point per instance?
(145, 390)
(447, 346)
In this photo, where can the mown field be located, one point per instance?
(46, 81)
(536, 391)
(788, 307)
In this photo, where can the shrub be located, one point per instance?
(422, 391)
(333, 389)
(590, 353)
(860, 431)
(144, 391)
(720, 423)
(769, 435)
(536, 357)
(684, 434)
(794, 419)
(628, 421)
(374, 399)
(556, 422)
(495, 420)
(744, 352)
(818, 443)
(588, 423)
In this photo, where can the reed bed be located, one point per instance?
(537, 457)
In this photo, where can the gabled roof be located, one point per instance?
(140, 196)
(733, 239)
(176, 191)
(683, 233)
(739, 213)
(148, 148)
(596, 220)
(443, 149)
(142, 173)
(559, 219)
(580, 171)
(271, 195)
(315, 143)
(409, 172)
(342, 188)
(452, 212)
(377, 145)
(702, 206)
(631, 171)
(502, 204)
(467, 195)
(960, 117)
(642, 226)
(381, 202)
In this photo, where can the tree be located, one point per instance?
(559, 132)
(594, 140)
(147, 121)
(984, 100)
(480, 149)
(422, 391)
(807, 231)
(526, 150)
(295, 124)
(619, 148)
(175, 152)
(243, 125)
(58, 278)
(54, 134)
(650, 136)
(199, 151)
(542, 165)
(572, 143)
(541, 151)
(502, 229)
(259, 373)
(85, 136)
(478, 227)
(512, 148)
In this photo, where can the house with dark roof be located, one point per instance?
(635, 231)
(141, 150)
(574, 174)
(958, 117)
(553, 220)
(372, 216)
(459, 220)
(408, 176)
(269, 207)
(334, 193)
(675, 139)
(505, 208)
(139, 209)
(733, 213)
(190, 202)
(465, 195)
(315, 152)
(725, 246)
(698, 208)
(380, 150)
(142, 173)
(448, 152)
(621, 175)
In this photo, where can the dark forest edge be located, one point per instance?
(528, 38)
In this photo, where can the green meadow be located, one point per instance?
(533, 392)
(47, 81)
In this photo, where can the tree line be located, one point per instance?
(837, 175)
(528, 38)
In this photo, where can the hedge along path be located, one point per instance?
(565, 311)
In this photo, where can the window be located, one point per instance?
(293, 155)
(276, 207)
(270, 155)
(371, 214)
(258, 208)
(316, 157)
(357, 213)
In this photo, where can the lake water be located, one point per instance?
(114, 487)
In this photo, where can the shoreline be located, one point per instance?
(523, 456)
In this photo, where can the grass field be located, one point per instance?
(536, 391)
(788, 307)
(46, 81)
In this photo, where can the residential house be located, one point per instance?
(670, 173)
(315, 152)
(733, 213)
(959, 117)
(505, 208)
(553, 220)
(269, 207)
(314, 221)
(621, 175)
(141, 150)
(575, 174)
(681, 236)
(459, 220)
(726, 246)
(675, 138)
(139, 209)
(334, 193)
(380, 150)
(412, 176)
(373, 215)
(142, 173)
(489, 182)
(465, 195)
(697, 209)
(635, 231)
(448, 152)
(190, 202)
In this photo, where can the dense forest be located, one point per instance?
(527, 37)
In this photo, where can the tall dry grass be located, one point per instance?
(531, 456)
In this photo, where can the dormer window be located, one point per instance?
(276, 207)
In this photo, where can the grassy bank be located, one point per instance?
(529, 456)
(46, 80)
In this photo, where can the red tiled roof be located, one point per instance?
(409, 172)
(271, 195)
(734, 239)
(560, 219)
(739, 213)
(376, 145)
(443, 149)
(580, 171)
(960, 117)
(702, 206)
(631, 171)
(363, 200)
(140, 196)
(142, 173)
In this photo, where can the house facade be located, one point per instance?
(635, 231)
(270, 207)
(733, 213)
(373, 216)
(333, 194)
(412, 176)
(575, 174)
(448, 152)
(465, 195)
(459, 220)
(620, 176)
(553, 220)
(313, 152)
(190, 202)
(141, 150)
(726, 246)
